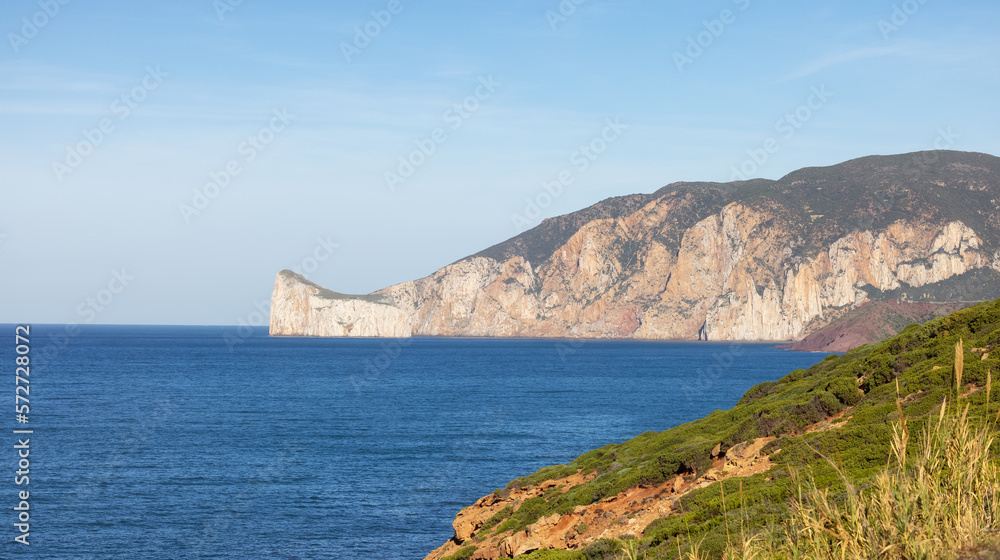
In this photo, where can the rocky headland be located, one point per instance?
(915, 235)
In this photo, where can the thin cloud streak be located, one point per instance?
(836, 59)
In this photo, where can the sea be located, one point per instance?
(223, 442)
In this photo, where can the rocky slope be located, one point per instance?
(754, 260)
(741, 471)
(627, 513)
(871, 322)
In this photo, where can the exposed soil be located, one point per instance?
(627, 513)
(872, 322)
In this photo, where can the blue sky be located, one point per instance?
(162, 161)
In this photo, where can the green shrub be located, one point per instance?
(783, 409)
(463, 554)
(496, 519)
(604, 549)
(756, 392)
(530, 511)
(845, 389)
(877, 370)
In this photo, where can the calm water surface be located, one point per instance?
(205, 442)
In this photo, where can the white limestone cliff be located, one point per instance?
(735, 275)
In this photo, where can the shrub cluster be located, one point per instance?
(830, 465)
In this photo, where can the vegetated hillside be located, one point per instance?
(666, 489)
(751, 260)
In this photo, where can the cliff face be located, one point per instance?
(755, 260)
(299, 307)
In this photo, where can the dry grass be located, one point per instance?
(941, 500)
(937, 498)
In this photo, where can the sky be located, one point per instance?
(162, 161)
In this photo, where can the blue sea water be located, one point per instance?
(208, 442)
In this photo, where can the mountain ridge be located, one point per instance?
(752, 260)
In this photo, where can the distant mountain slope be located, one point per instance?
(752, 260)
(872, 322)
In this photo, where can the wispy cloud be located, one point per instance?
(927, 52)
(854, 55)
(25, 77)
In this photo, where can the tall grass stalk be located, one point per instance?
(943, 498)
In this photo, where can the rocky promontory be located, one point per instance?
(756, 260)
